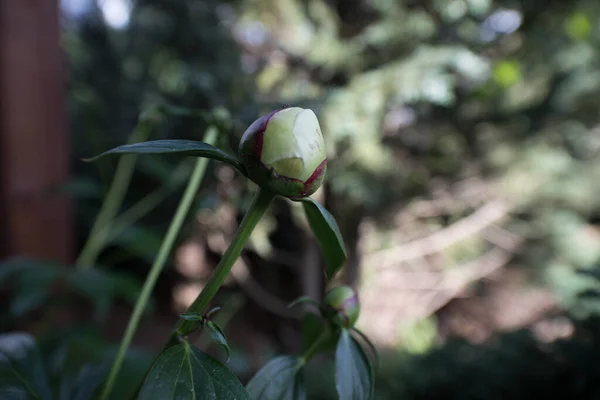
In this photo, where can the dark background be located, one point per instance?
(463, 140)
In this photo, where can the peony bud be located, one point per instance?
(284, 151)
(343, 302)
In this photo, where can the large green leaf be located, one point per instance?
(280, 379)
(180, 148)
(22, 373)
(184, 372)
(354, 377)
(327, 233)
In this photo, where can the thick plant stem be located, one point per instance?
(159, 262)
(261, 202)
(110, 206)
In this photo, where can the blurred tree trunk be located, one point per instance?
(33, 136)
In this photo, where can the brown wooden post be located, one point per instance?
(34, 143)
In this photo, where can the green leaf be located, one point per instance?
(354, 377)
(304, 299)
(212, 311)
(89, 380)
(280, 379)
(21, 369)
(312, 328)
(372, 349)
(135, 367)
(327, 233)
(192, 316)
(81, 188)
(181, 148)
(32, 286)
(103, 287)
(140, 241)
(217, 334)
(184, 372)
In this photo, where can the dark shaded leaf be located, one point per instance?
(103, 287)
(135, 367)
(140, 241)
(33, 281)
(13, 393)
(81, 188)
(184, 372)
(313, 327)
(354, 377)
(217, 334)
(327, 232)
(21, 369)
(90, 378)
(280, 379)
(181, 148)
(372, 349)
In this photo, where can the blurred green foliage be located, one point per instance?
(412, 96)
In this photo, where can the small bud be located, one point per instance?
(343, 301)
(284, 151)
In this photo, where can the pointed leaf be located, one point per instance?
(181, 148)
(197, 320)
(372, 349)
(304, 299)
(280, 379)
(217, 334)
(21, 368)
(354, 377)
(327, 232)
(212, 311)
(192, 316)
(184, 372)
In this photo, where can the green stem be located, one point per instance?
(261, 202)
(118, 188)
(159, 262)
(142, 207)
(314, 347)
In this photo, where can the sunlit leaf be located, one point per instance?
(507, 73)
